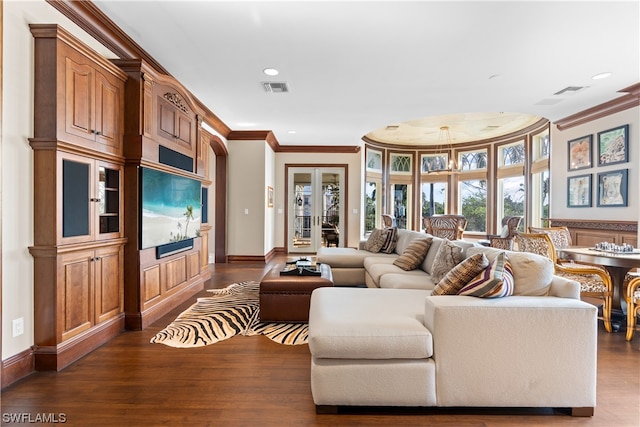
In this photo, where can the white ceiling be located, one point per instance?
(356, 67)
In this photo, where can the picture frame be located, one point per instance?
(579, 191)
(269, 196)
(580, 153)
(612, 188)
(613, 146)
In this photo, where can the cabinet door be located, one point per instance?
(167, 117)
(76, 199)
(108, 201)
(108, 112)
(109, 284)
(79, 100)
(75, 297)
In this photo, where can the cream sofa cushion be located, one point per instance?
(532, 273)
(346, 323)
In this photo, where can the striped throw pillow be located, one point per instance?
(413, 254)
(496, 281)
(460, 275)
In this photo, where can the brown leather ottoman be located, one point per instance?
(287, 298)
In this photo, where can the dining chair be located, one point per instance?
(445, 226)
(388, 221)
(505, 239)
(594, 281)
(633, 304)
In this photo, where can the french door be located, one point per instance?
(315, 208)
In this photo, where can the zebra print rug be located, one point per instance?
(231, 311)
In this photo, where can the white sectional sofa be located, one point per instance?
(407, 347)
(353, 267)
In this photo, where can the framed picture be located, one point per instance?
(613, 146)
(579, 191)
(269, 196)
(580, 150)
(612, 188)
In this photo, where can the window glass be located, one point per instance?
(434, 162)
(374, 160)
(512, 154)
(473, 160)
(540, 198)
(511, 196)
(401, 163)
(541, 145)
(473, 204)
(434, 197)
(372, 206)
(401, 204)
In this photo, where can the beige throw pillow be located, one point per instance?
(376, 240)
(461, 274)
(413, 254)
(447, 257)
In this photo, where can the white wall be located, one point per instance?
(17, 162)
(246, 192)
(559, 169)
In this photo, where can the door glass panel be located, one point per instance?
(302, 204)
(330, 209)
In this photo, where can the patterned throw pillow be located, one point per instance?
(414, 254)
(494, 282)
(392, 239)
(447, 257)
(376, 240)
(461, 274)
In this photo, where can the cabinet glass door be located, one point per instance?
(315, 216)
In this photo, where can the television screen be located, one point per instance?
(171, 208)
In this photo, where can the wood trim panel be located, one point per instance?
(631, 100)
(17, 367)
(220, 219)
(590, 232)
(271, 140)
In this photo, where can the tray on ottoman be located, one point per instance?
(286, 298)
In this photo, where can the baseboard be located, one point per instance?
(56, 358)
(17, 367)
(246, 259)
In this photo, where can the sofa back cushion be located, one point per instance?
(532, 273)
(407, 236)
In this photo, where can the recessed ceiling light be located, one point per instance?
(271, 71)
(601, 75)
(245, 124)
(292, 132)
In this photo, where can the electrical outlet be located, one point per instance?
(18, 327)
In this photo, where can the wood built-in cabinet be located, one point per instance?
(162, 131)
(96, 123)
(79, 235)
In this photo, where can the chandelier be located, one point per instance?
(440, 166)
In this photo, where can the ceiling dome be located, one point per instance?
(465, 127)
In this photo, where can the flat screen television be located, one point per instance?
(171, 210)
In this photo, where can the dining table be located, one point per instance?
(617, 264)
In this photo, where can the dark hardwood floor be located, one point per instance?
(251, 381)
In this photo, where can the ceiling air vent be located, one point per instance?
(569, 90)
(275, 87)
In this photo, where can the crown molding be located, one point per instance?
(630, 100)
(270, 138)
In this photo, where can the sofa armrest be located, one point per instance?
(513, 351)
(564, 288)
